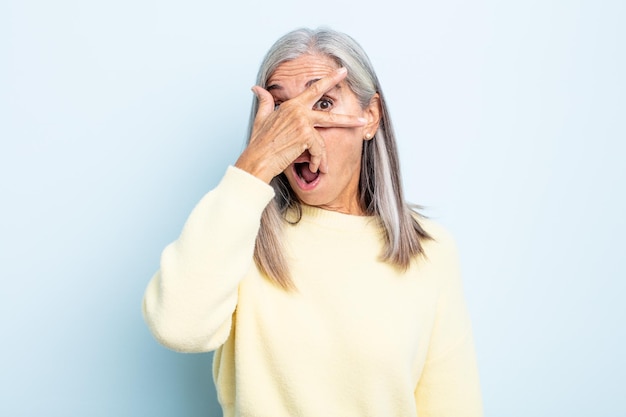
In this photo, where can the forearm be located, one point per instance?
(189, 302)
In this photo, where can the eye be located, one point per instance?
(276, 105)
(323, 104)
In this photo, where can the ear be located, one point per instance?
(372, 114)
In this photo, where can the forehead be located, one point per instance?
(302, 69)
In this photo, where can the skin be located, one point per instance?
(309, 114)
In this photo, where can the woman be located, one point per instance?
(320, 290)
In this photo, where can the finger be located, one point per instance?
(266, 102)
(322, 86)
(327, 119)
(317, 150)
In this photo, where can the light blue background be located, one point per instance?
(117, 116)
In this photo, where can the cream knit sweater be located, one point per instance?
(357, 338)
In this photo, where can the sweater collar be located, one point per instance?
(334, 219)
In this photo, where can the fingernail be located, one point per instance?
(362, 120)
(342, 70)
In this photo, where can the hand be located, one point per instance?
(281, 135)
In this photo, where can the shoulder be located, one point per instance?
(437, 233)
(440, 246)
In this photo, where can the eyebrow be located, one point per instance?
(307, 85)
(311, 82)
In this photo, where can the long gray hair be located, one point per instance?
(380, 188)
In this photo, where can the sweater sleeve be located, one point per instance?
(449, 385)
(189, 302)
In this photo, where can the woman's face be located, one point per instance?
(337, 189)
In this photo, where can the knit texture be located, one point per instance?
(357, 338)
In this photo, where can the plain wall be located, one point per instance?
(117, 116)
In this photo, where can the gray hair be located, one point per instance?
(380, 188)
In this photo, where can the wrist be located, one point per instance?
(255, 169)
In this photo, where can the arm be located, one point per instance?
(189, 302)
(449, 385)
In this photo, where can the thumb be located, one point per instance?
(266, 102)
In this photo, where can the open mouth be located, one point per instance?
(304, 173)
